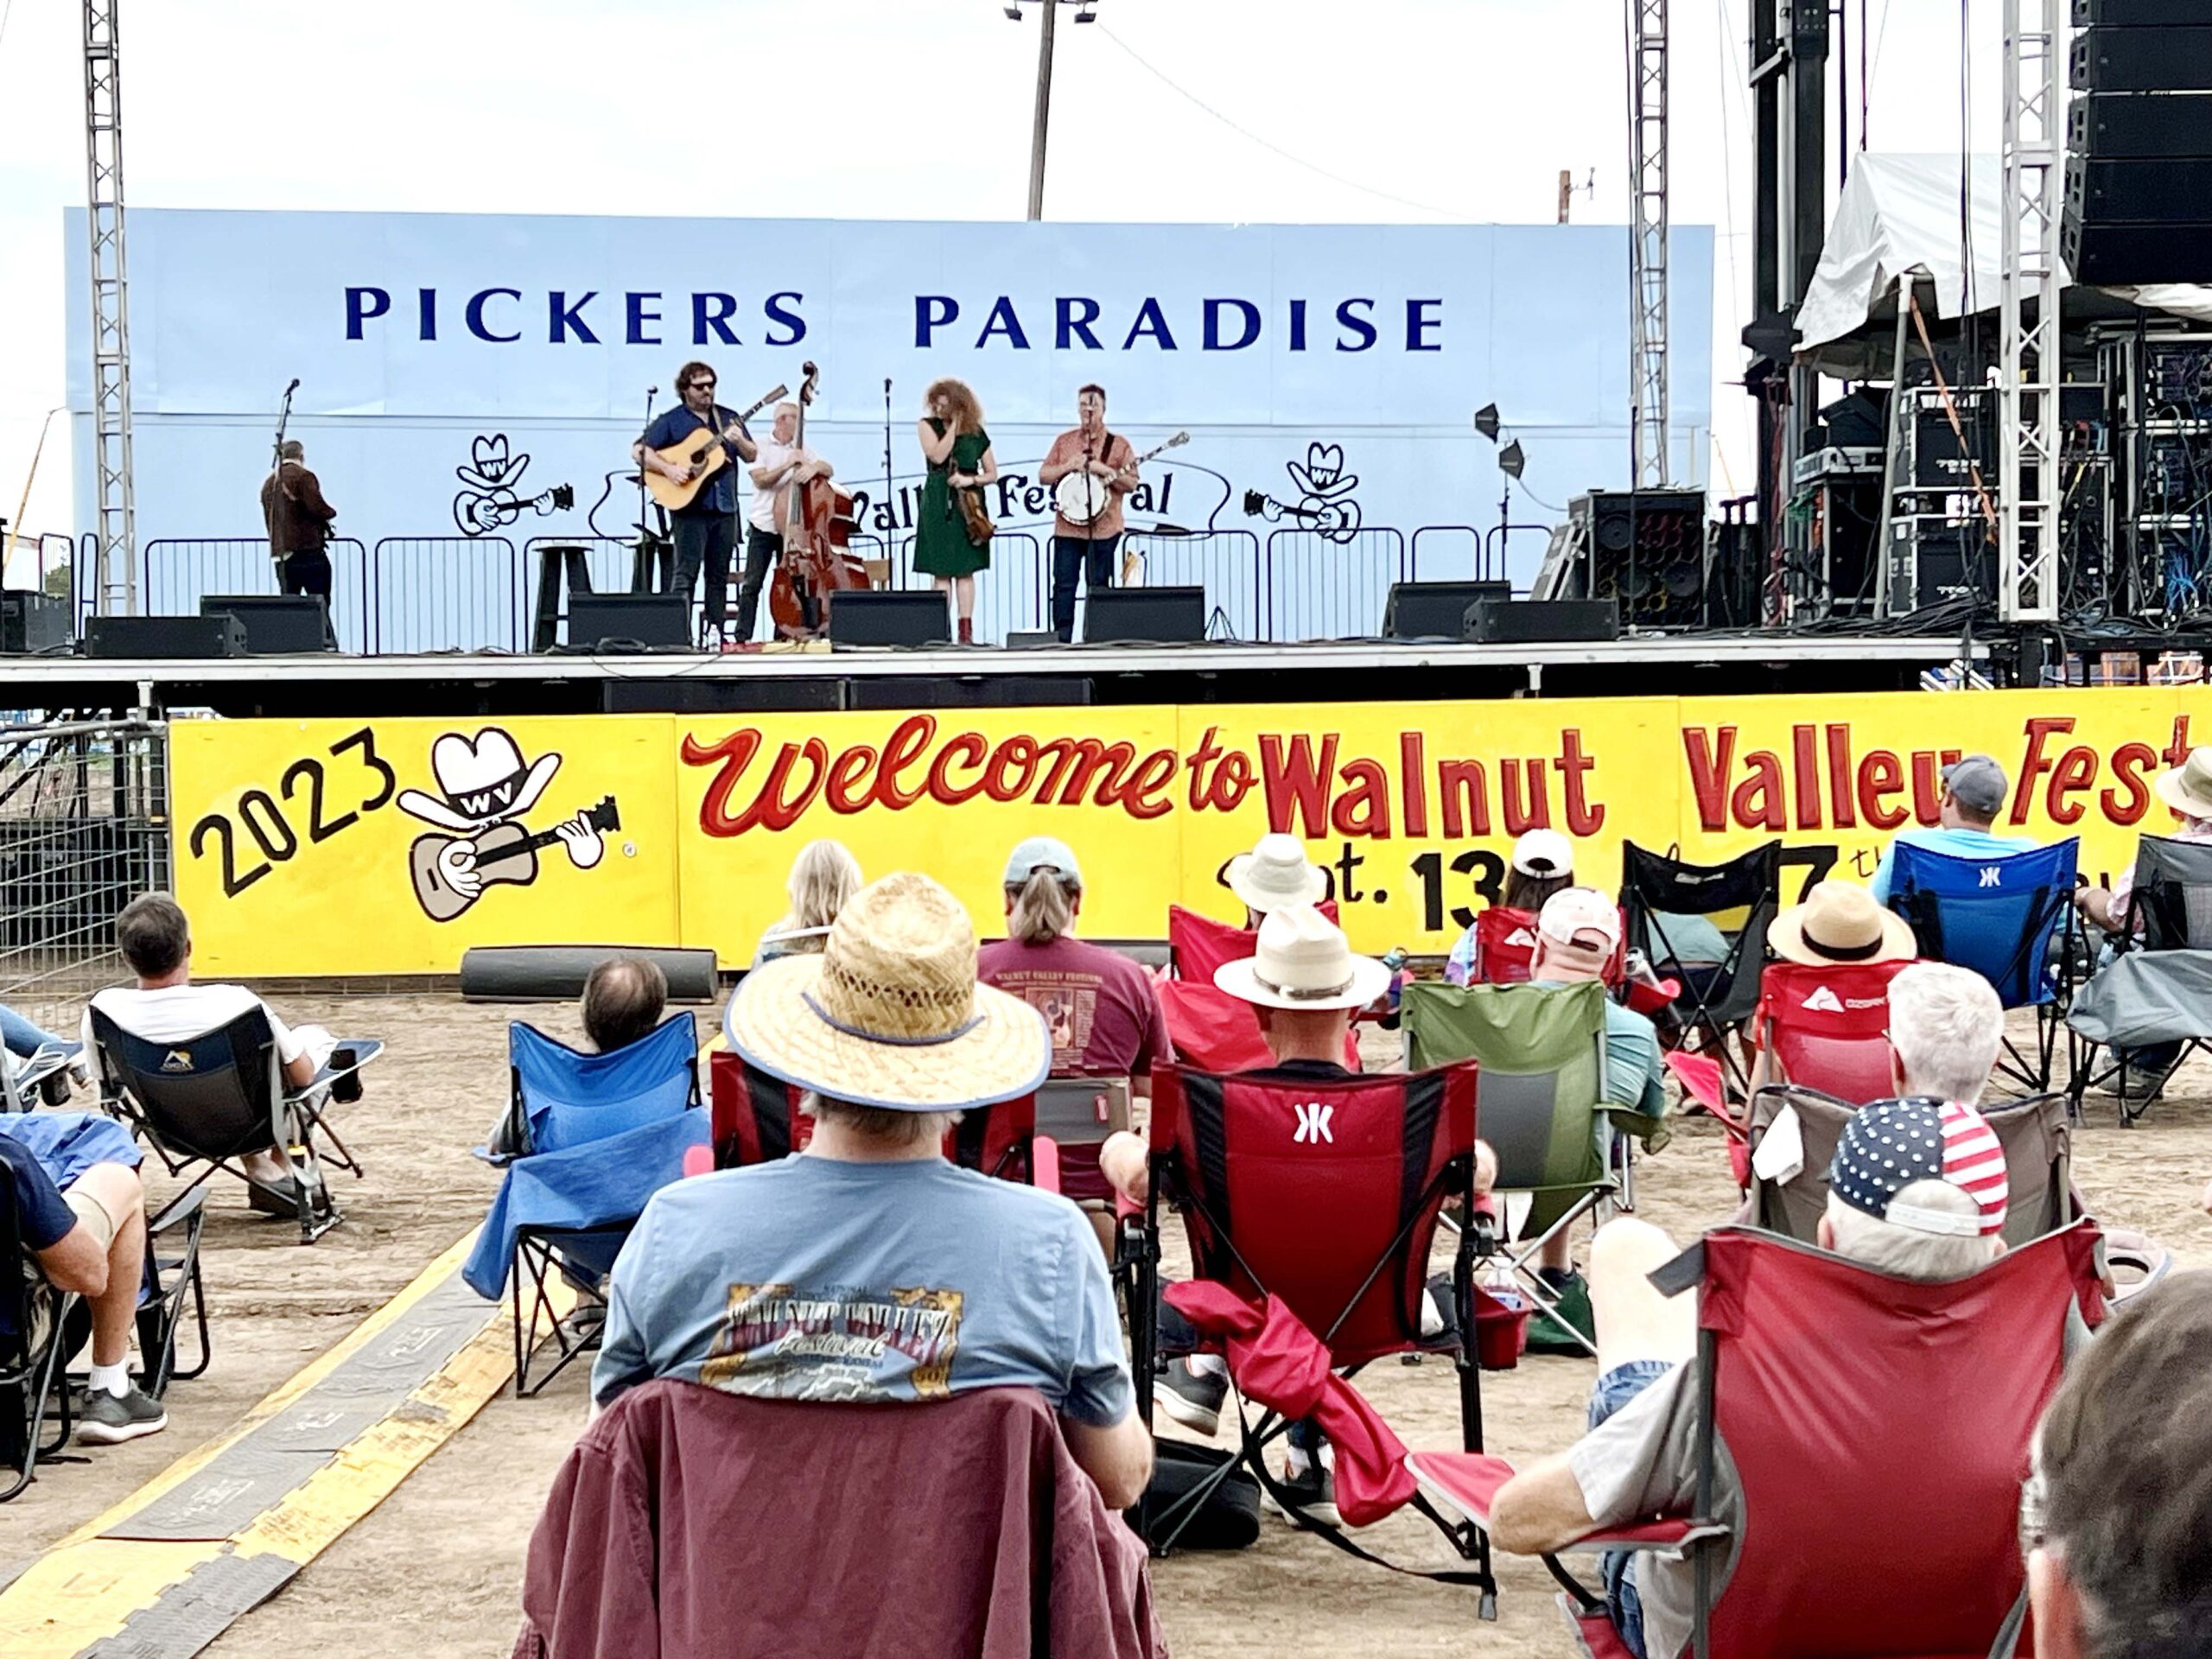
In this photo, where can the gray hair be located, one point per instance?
(824, 876)
(291, 450)
(891, 1128)
(1044, 906)
(1947, 1027)
(1906, 1252)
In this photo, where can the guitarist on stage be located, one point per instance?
(705, 529)
(1087, 550)
(780, 463)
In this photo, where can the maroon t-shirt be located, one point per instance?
(1099, 1006)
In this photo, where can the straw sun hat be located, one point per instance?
(1839, 922)
(890, 1014)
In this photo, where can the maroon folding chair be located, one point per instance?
(1827, 1028)
(1835, 1388)
(1311, 1206)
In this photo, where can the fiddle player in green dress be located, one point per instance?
(958, 451)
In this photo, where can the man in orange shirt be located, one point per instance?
(1088, 547)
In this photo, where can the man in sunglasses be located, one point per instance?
(705, 529)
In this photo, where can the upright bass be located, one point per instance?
(816, 518)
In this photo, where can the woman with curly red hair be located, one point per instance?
(958, 451)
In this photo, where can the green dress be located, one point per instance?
(941, 544)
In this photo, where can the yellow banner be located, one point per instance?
(349, 846)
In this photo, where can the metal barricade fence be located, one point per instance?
(446, 593)
(1225, 562)
(1318, 587)
(84, 829)
(1011, 595)
(609, 562)
(1448, 553)
(175, 573)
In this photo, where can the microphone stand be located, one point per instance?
(276, 474)
(645, 575)
(890, 512)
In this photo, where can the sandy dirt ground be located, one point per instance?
(435, 1571)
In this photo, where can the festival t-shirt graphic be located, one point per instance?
(840, 1343)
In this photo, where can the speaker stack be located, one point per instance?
(2138, 142)
(1644, 549)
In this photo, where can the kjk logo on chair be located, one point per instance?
(1313, 1123)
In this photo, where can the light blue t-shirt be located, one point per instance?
(814, 1279)
(1958, 843)
(1635, 1076)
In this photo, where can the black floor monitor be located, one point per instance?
(276, 623)
(882, 617)
(656, 621)
(1437, 610)
(1145, 615)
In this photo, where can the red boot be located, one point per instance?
(967, 630)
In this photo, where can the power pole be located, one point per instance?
(1647, 232)
(1043, 113)
(115, 567)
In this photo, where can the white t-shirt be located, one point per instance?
(178, 1012)
(770, 455)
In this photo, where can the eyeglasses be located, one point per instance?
(702, 385)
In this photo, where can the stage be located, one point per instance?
(953, 676)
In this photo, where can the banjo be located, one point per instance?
(1081, 496)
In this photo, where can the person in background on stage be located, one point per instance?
(958, 451)
(777, 463)
(1087, 549)
(706, 529)
(298, 517)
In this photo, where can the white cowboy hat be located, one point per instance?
(889, 1013)
(1302, 961)
(2188, 787)
(1276, 873)
(482, 781)
(1839, 922)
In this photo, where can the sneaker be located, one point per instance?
(112, 1419)
(1192, 1398)
(2144, 1084)
(1550, 1335)
(1313, 1491)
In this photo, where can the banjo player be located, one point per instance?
(1089, 471)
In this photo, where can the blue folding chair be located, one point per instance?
(598, 1134)
(2012, 920)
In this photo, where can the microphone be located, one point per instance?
(886, 385)
(293, 387)
(652, 391)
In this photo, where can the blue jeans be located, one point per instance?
(1615, 1389)
(19, 1036)
(1091, 558)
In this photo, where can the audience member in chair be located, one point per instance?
(1974, 789)
(623, 1001)
(1838, 924)
(1542, 862)
(2117, 1519)
(1305, 983)
(1275, 875)
(85, 1220)
(824, 876)
(1917, 1191)
(868, 1268)
(2187, 792)
(163, 1006)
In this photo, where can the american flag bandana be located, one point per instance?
(1892, 1143)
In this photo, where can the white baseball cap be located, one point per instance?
(1543, 852)
(1580, 910)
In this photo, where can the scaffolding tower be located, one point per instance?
(1647, 254)
(2035, 119)
(115, 574)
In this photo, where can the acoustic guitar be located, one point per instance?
(506, 852)
(704, 452)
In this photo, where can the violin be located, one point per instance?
(816, 518)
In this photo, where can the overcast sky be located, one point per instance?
(1423, 110)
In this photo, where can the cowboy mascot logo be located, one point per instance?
(484, 790)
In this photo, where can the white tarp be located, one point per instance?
(1901, 212)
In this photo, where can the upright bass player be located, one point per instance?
(781, 463)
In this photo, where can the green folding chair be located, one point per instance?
(1540, 1054)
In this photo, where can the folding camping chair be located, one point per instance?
(1540, 1055)
(32, 1354)
(219, 1097)
(1998, 917)
(1209, 1029)
(1663, 897)
(40, 1072)
(602, 1134)
(2157, 989)
(1942, 1387)
(1320, 1201)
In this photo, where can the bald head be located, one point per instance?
(623, 1001)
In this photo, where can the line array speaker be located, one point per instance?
(2166, 59)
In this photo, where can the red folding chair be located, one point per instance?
(1834, 1390)
(1311, 1208)
(1827, 1028)
(1209, 1029)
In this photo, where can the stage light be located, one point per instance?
(1086, 16)
(1510, 461)
(1486, 421)
(1014, 13)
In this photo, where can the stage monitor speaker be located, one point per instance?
(276, 624)
(2123, 126)
(1437, 610)
(656, 621)
(1165, 616)
(1544, 621)
(993, 690)
(32, 622)
(221, 635)
(2172, 60)
(1646, 548)
(2140, 14)
(2115, 254)
(877, 616)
